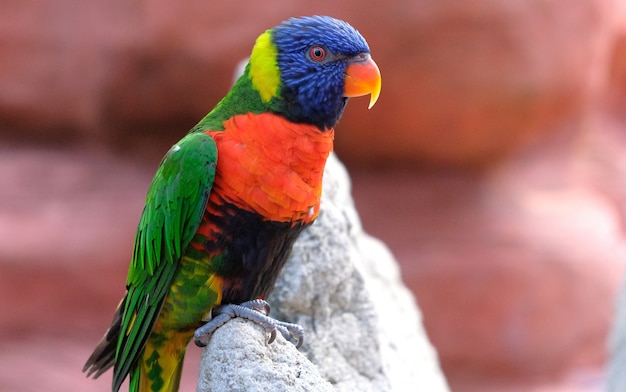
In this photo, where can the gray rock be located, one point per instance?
(363, 331)
(238, 358)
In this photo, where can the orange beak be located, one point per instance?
(362, 77)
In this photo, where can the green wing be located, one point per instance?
(174, 207)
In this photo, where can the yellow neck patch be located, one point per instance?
(264, 71)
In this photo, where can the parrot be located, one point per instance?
(230, 198)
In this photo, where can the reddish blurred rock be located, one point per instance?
(464, 82)
(617, 79)
(516, 269)
(468, 82)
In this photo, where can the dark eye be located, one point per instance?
(317, 53)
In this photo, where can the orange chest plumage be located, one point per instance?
(270, 166)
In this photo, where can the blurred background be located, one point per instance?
(493, 166)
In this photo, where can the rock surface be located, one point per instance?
(362, 328)
(238, 358)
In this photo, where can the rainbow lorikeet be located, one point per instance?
(230, 198)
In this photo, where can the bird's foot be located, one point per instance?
(257, 311)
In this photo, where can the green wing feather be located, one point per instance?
(174, 207)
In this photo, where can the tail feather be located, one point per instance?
(103, 356)
(101, 360)
(159, 363)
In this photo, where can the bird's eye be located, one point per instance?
(317, 53)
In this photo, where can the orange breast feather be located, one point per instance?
(271, 166)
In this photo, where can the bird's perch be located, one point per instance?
(363, 330)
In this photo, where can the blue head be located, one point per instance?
(303, 67)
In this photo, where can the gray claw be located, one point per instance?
(289, 330)
(257, 311)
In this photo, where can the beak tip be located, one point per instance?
(373, 99)
(375, 93)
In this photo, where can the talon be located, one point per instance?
(272, 336)
(291, 330)
(257, 311)
(199, 342)
(220, 317)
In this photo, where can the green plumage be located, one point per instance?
(242, 98)
(173, 211)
